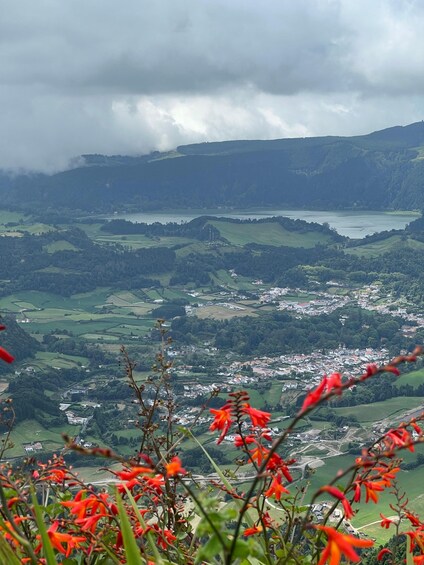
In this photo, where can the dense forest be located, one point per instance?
(376, 171)
(28, 265)
(17, 341)
(281, 333)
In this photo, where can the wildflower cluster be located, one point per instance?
(153, 511)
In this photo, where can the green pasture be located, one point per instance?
(415, 378)
(368, 514)
(36, 299)
(223, 312)
(57, 270)
(193, 247)
(93, 230)
(99, 337)
(23, 224)
(48, 312)
(377, 248)
(6, 216)
(31, 431)
(47, 359)
(138, 241)
(270, 233)
(113, 324)
(124, 298)
(59, 245)
(380, 410)
(224, 278)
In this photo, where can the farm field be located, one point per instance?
(98, 312)
(271, 233)
(368, 518)
(31, 431)
(415, 378)
(109, 317)
(368, 413)
(45, 359)
(139, 241)
(374, 249)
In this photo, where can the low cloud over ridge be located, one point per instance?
(98, 76)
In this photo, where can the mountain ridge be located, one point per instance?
(380, 170)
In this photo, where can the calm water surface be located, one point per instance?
(351, 224)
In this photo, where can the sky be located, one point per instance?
(129, 77)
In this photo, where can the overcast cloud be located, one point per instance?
(101, 76)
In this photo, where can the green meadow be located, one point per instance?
(392, 407)
(31, 431)
(415, 378)
(270, 233)
(377, 248)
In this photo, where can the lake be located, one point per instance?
(348, 223)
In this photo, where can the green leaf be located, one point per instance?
(241, 549)
(211, 549)
(151, 541)
(6, 553)
(132, 550)
(221, 475)
(45, 540)
(409, 558)
(223, 478)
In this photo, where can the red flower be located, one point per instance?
(357, 495)
(371, 489)
(340, 496)
(276, 488)
(165, 538)
(413, 519)
(417, 428)
(252, 531)
(88, 510)
(383, 552)
(339, 545)
(392, 369)
(57, 540)
(155, 483)
(222, 421)
(334, 381)
(240, 441)
(385, 522)
(55, 476)
(6, 356)
(174, 467)
(315, 395)
(399, 438)
(259, 418)
(130, 474)
(258, 454)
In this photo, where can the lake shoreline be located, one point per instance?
(355, 224)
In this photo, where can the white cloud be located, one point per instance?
(101, 76)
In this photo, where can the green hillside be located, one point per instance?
(382, 170)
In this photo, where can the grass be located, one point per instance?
(60, 245)
(139, 241)
(31, 431)
(59, 360)
(415, 378)
(380, 410)
(95, 312)
(410, 481)
(374, 249)
(7, 216)
(222, 312)
(270, 233)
